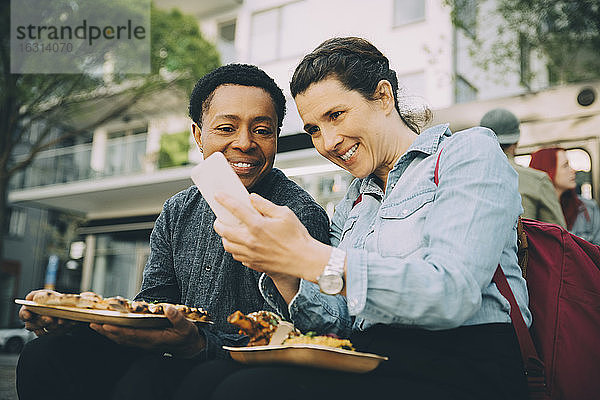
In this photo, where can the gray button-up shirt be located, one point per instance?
(188, 264)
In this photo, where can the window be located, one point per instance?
(17, 222)
(464, 91)
(580, 161)
(525, 60)
(279, 32)
(263, 42)
(227, 31)
(119, 259)
(37, 130)
(407, 11)
(466, 15)
(125, 151)
(293, 29)
(66, 161)
(226, 41)
(413, 84)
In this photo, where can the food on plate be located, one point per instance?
(91, 300)
(259, 326)
(329, 340)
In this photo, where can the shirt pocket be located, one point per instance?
(401, 229)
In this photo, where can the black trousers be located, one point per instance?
(86, 365)
(476, 362)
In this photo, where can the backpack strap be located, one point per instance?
(358, 200)
(436, 178)
(523, 248)
(534, 367)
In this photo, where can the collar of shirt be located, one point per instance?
(426, 143)
(265, 185)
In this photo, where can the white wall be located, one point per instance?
(497, 81)
(421, 48)
(423, 52)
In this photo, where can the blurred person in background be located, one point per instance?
(537, 192)
(410, 271)
(582, 215)
(238, 110)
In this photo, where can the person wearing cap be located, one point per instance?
(537, 192)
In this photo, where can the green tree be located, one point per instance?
(564, 33)
(174, 149)
(179, 56)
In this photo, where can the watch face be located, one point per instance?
(331, 284)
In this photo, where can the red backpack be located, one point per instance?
(563, 280)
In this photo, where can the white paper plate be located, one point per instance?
(133, 320)
(308, 355)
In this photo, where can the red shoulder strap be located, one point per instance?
(528, 350)
(534, 366)
(358, 200)
(436, 178)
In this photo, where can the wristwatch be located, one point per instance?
(331, 281)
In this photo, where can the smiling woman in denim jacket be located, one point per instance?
(410, 271)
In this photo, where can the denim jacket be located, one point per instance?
(420, 255)
(587, 223)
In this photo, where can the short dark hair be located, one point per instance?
(234, 74)
(358, 65)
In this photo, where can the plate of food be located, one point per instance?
(273, 341)
(91, 307)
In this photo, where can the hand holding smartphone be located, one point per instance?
(214, 175)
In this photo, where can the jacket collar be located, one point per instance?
(429, 140)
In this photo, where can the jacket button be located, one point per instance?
(207, 267)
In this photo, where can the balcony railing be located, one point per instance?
(54, 166)
(123, 156)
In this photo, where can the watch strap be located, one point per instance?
(336, 262)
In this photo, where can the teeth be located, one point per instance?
(241, 165)
(349, 153)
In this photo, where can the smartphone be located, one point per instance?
(214, 175)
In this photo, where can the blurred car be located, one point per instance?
(13, 340)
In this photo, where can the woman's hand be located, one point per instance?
(273, 240)
(43, 325)
(182, 339)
